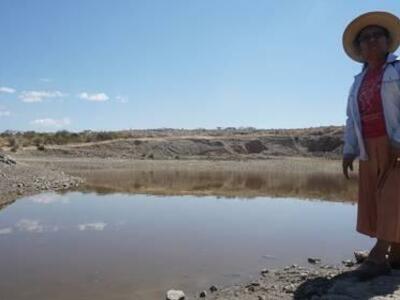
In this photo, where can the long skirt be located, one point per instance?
(378, 213)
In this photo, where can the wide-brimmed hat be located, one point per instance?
(379, 18)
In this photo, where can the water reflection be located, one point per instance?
(320, 185)
(119, 246)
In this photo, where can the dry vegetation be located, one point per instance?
(32, 138)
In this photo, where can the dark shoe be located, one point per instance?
(370, 269)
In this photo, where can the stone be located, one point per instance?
(360, 256)
(213, 288)
(348, 263)
(175, 295)
(303, 275)
(289, 289)
(6, 159)
(203, 294)
(314, 260)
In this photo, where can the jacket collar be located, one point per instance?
(391, 58)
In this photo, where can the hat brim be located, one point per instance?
(379, 18)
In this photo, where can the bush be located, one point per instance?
(40, 147)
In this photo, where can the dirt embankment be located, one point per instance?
(325, 142)
(19, 179)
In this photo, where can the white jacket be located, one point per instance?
(390, 94)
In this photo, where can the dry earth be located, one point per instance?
(326, 142)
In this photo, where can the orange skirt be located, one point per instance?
(378, 213)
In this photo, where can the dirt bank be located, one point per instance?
(19, 179)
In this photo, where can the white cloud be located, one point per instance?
(7, 90)
(39, 96)
(28, 225)
(98, 97)
(99, 226)
(49, 198)
(45, 79)
(5, 230)
(48, 122)
(121, 99)
(4, 113)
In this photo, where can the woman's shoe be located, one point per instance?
(370, 269)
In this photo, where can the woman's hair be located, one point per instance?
(357, 41)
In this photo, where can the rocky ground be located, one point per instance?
(315, 282)
(19, 179)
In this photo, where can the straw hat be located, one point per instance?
(379, 18)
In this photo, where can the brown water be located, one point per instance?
(125, 246)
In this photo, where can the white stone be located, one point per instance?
(175, 295)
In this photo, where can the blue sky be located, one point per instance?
(110, 65)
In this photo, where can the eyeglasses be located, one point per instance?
(376, 35)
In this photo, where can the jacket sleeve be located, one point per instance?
(396, 135)
(350, 149)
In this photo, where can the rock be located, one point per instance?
(360, 256)
(289, 289)
(348, 263)
(314, 260)
(213, 288)
(264, 272)
(7, 160)
(261, 297)
(304, 275)
(175, 295)
(203, 294)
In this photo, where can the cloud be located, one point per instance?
(99, 226)
(45, 79)
(4, 113)
(28, 225)
(49, 198)
(48, 122)
(5, 230)
(7, 90)
(97, 97)
(121, 99)
(39, 96)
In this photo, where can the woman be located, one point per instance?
(372, 134)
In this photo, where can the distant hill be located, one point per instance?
(222, 143)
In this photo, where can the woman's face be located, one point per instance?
(373, 43)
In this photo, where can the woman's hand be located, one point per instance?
(347, 164)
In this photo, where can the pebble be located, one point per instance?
(213, 289)
(360, 256)
(264, 272)
(175, 295)
(203, 294)
(314, 260)
(348, 263)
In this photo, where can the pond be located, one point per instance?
(116, 245)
